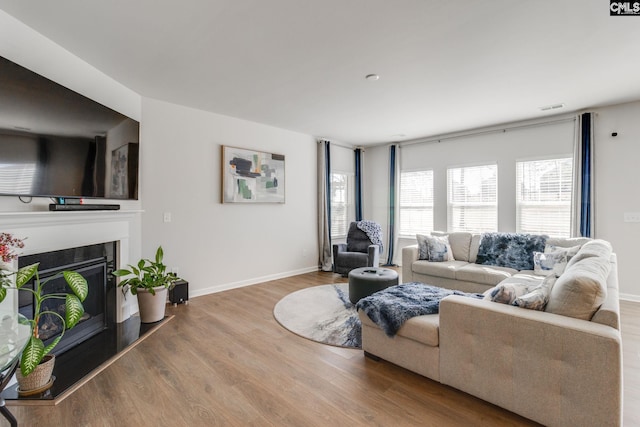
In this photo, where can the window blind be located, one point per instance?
(342, 211)
(543, 199)
(472, 195)
(416, 203)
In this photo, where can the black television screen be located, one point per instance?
(55, 142)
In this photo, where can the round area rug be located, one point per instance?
(323, 314)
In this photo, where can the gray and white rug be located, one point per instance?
(323, 314)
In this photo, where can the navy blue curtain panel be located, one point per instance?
(392, 205)
(586, 176)
(358, 190)
(327, 165)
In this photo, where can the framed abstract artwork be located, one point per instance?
(251, 176)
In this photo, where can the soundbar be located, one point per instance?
(96, 207)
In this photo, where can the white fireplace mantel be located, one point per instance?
(45, 231)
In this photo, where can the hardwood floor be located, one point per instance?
(224, 361)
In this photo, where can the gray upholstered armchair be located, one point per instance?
(360, 250)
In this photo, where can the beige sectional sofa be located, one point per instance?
(559, 367)
(464, 274)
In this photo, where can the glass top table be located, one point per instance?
(15, 331)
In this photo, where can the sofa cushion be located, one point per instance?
(484, 274)
(460, 242)
(513, 250)
(423, 329)
(475, 245)
(445, 269)
(594, 248)
(567, 242)
(581, 289)
(353, 259)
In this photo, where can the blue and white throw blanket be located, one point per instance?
(373, 230)
(391, 307)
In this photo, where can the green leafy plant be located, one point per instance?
(35, 349)
(147, 275)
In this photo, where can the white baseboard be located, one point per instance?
(630, 297)
(249, 282)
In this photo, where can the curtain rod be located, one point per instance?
(502, 129)
(337, 144)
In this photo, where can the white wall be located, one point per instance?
(218, 246)
(375, 191)
(617, 177)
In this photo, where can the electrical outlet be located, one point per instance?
(632, 217)
(167, 217)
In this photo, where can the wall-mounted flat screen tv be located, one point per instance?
(55, 142)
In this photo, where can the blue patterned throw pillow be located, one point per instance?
(439, 249)
(434, 248)
(513, 250)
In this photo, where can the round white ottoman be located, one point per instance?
(365, 281)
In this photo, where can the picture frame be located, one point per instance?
(252, 176)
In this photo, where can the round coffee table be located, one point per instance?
(365, 281)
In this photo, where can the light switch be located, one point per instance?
(167, 217)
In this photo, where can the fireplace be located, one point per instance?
(95, 263)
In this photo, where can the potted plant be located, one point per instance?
(149, 281)
(36, 361)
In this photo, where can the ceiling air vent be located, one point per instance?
(552, 107)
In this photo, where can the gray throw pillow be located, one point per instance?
(423, 249)
(439, 248)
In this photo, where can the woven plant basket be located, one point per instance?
(39, 378)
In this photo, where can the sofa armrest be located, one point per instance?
(553, 369)
(409, 255)
(337, 248)
(373, 251)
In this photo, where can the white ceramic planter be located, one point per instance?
(151, 306)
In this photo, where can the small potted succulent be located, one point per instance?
(36, 361)
(149, 281)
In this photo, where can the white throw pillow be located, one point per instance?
(506, 293)
(553, 260)
(537, 298)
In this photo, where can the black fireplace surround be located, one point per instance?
(95, 341)
(95, 263)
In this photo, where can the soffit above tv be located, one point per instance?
(32, 103)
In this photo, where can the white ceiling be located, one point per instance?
(300, 64)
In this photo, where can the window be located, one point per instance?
(543, 197)
(17, 178)
(416, 203)
(472, 198)
(342, 209)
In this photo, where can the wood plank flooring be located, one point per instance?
(224, 361)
